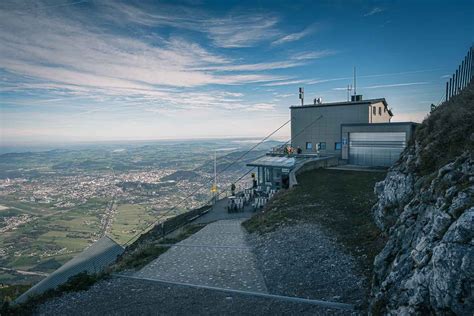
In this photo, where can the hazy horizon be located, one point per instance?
(58, 145)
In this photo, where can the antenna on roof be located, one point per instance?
(302, 95)
(349, 89)
(355, 81)
(356, 97)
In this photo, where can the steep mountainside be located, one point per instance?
(425, 207)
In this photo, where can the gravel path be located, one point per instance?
(141, 297)
(218, 255)
(300, 260)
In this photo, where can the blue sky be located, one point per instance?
(118, 70)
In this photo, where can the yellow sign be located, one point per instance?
(214, 189)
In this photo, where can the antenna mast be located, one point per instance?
(302, 95)
(215, 168)
(355, 82)
(214, 185)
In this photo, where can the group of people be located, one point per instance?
(288, 150)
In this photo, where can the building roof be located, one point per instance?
(269, 161)
(92, 260)
(344, 103)
(378, 124)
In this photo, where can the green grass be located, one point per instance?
(339, 201)
(447, 132)
(130, 219)
(9, 293)
(51, 230)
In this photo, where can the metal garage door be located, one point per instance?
(376, 149)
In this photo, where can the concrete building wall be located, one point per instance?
(328, 128)
(378, 113)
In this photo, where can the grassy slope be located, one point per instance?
(340, 201)
(447, 132)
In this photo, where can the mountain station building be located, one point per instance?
(357, 132)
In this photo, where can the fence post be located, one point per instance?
(471, 70)
(450, 88)
(447, 84)
(471, 64)
(464, 73)
(452, 85)
(456, 79)
(468, 67)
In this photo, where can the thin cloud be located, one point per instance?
(314, 54)
(317, 81)
(374, 11)
(79, 57)
(284, 83)
(294, 36)
(302, 81)
(254, 67)
(235, 30)
(395, 85)
(258, 107)
(241, 30)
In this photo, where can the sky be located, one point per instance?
(93, 70)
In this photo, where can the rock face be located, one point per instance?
(425, 208)
(427, 265)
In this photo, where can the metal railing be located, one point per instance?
(463, 76)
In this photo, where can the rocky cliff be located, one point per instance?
(425, 208)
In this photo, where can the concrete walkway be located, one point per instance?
(217, 256)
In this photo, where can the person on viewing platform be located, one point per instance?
(232, 189)
(254, 181)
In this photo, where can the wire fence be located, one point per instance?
(462, 77)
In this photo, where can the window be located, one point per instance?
(384, 109)
(374, 110)
(338, 146)
(309, 145)
(322, 146)
(380, 111)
